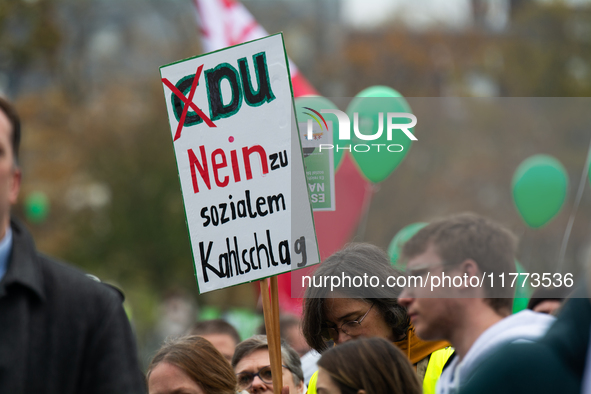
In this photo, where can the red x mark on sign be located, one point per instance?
(188, 102)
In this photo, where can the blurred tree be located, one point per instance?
(547, 51)
(29, 38)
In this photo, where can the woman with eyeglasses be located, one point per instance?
(252, 366)
(363, 306)
(190, 365)
(366, 366)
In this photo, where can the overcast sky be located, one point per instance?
(368, 13)
(421, 14)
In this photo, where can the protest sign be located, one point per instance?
(319, 163)
(240, 163)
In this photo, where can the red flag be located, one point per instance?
(224, 23)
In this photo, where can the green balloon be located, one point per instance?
(522, 293)
(378, 165)
(318, 103)
(539, 189)
(36, 207)
(395, 247)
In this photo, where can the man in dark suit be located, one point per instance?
(60, 331)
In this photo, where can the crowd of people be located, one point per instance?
(463, 339)
(64, 332)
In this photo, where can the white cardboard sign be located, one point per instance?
(240, 164)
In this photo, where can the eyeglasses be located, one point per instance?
(245, 379)
(349, 328)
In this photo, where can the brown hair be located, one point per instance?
(197, 357)
(357, 259)
(15, 122)
(215, 326)
(370, 364)
(469, 236)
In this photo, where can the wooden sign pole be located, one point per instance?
(271, 313)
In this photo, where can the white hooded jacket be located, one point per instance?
(525, 326)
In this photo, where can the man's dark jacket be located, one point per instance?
(61, 332)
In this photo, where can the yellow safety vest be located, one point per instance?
(435, 367)
(312, 384)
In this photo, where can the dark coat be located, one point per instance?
(60, 331)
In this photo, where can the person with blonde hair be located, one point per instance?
(191, 365)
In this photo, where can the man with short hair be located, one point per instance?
(222, 335)
(474, 318)
(60, 331)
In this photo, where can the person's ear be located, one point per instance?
(15, 186)
(300, 387)
(361, 392)
(469, 269)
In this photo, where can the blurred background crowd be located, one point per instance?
(100, 188)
